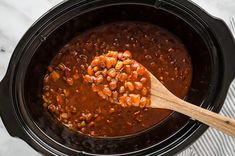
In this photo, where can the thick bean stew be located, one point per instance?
(74, 91)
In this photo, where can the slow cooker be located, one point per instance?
(208, 40)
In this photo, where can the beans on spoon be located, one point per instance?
(116, 77)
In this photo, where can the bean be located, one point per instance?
(59, 99)
(129, 124)
(122, 77)
(113, 84)
(135, 99)
(111, 110)
(144, 91)
(60, 90)
(112, 72)
(97, 73)
(66, 92)
(148, 103)
(127, 61)
(88, 79)
(91, 124)
(83, 67)
(95, 69)
(128, 69)
(134, 76)
(138, 85)
(92, 133)
(74, 109)
(122, 100)
(119, 65)
(111, 100)
(101, 94)
(122, 89)
(109, 78)
(83, 57)
(82, 124)
(128, 101)
(104, 72)
(88, 117)
(55, 76)
(69, 81)
(44, 98)
(83, 129)
(115, 95)
(138, 119)
(102, 59)
(136, 113)
(148, 57)
(94, 88)
(99, 79)
(171, 50)
(81, 118)
(153, 64)
(112, 54)
(146, 109)
(64, 115)
(143, 101)
(90, 70)
(143, 80)
(62, 66)
(52, 107)
(120, 56)
(134, 66)
(141, 71)
(45, 105)
(46, 78)
(129, 85)
(110, 62)
(95, 62)
(47, 94)
(107, 91)
(50, 68)
(127, 54)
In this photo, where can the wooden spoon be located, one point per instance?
(161, 97)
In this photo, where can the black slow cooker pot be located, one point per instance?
(208, 40)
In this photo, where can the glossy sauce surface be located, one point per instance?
(74, 103)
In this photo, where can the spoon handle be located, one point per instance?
(217, 121)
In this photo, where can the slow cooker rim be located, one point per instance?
(202, 127)
(89, 153)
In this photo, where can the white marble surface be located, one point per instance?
(16, 16)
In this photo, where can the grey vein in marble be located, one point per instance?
(17, 16)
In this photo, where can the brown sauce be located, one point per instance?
(74, 103)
